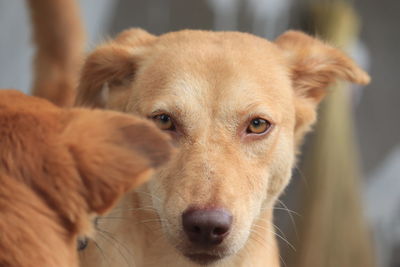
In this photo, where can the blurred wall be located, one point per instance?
(377, 114)
(15, 40)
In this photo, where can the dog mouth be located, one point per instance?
(203, 258)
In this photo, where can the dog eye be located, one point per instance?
(258, 126)
(82, 243)
(164, 122)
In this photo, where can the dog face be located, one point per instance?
(236, 105)
(59, 168)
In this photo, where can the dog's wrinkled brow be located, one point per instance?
(257, 109)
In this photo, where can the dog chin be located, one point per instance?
(204, 259)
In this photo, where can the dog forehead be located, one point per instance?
(224, 39)
(215, 49)
(215, 73)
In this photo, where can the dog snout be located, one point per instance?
(206, 227)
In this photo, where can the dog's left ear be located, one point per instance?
(111, 67)
(314, 66)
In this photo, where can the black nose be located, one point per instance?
(206, 227)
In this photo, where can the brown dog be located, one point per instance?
(238, 107)
(58, 168)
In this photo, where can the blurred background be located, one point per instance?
(343, 205)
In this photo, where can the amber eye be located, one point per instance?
(258, 126)
(164, 122)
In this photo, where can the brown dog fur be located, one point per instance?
(211, 84)
(58, 168)
(58, 35)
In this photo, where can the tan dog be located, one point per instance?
(58, 168)
(238, 107)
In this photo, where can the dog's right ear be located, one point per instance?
(110, 66)
(113, 153)
(314, 66)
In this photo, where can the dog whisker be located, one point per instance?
(153, 197)
(302, 177)
(101, 252)
(123, 209)
(278, 235)
(263, 244)
(114, 218)
(111, 242)
(247, 253)
(129, 216)
(153, 220)
(256, 234)
(108, 236)
(289, 211)
(280, 231)
(160, 234)
(291, 217)
(142, 209)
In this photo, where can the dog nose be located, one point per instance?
(206, 227)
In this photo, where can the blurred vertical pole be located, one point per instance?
(332, 229)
